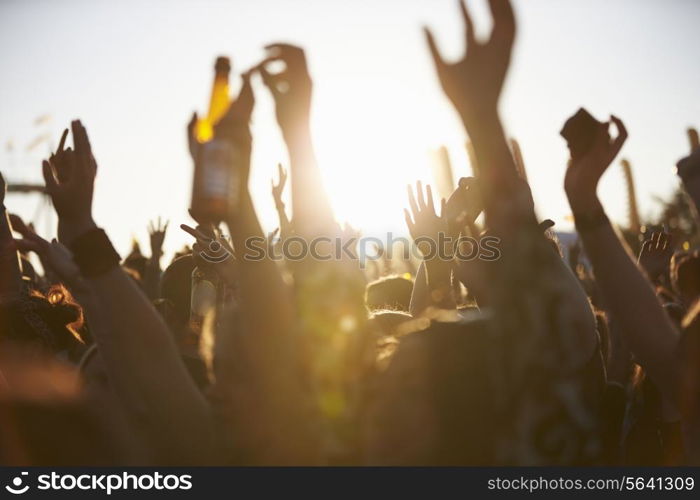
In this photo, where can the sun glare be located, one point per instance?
(368, 156)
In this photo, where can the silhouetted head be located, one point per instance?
(176, 288)
(50, 322)
(686, 277)
(390, 293)
(136, 261)
(689, 393)
(434, 404)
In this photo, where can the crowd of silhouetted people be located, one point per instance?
(544, 355)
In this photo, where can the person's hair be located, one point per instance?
(136, 261)
(54, 320)
(440, 378)
(390, 293)
(388, 322)
(176, 288)
(553, 240)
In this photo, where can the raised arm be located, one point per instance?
(266, 317)
(474, 84)
(139, 352)
(433, 282)
(261, 285)
(291, 91)
(626, 292)
(151, 280)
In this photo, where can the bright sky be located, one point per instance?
(135, 71)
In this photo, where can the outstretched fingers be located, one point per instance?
(82, 151)
(434, 51)
(412, 201)
(271, 81)
(286, 52)
(283, 175)
(49, 177)
(409, 221)
(693, 139)
(429, 201)
(503, 21)
(199, 236)
(667, 242)
(468, 23)
(62, 142)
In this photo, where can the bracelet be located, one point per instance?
(94, 253)
(587, 221)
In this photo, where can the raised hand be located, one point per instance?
(290, 88)
(464, 205)
(655, 255)
(70, 176)
(474, 83)
(211, 247)
(689, 168)
(156, 233)
(624, 289)
(584, 173)
(424, 224)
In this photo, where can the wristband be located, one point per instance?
(587, 221)
(94, 253)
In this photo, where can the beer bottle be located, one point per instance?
(219, 101)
